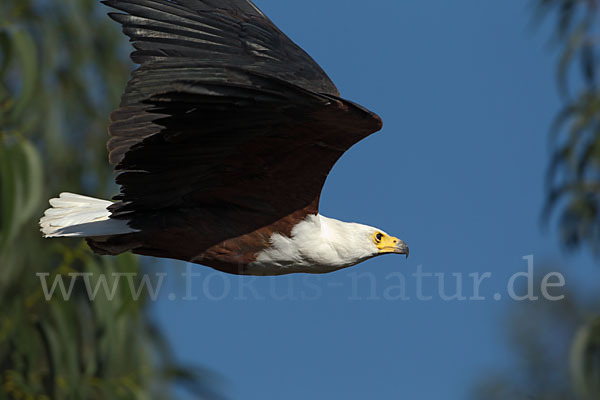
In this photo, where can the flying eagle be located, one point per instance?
(221, 145)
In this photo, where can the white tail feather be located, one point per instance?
(74, 215)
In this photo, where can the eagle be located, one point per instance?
(221, 146)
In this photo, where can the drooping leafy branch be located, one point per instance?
(574, 172)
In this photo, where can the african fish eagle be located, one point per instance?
(222, 143)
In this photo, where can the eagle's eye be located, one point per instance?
(378, 237)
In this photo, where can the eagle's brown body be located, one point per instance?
(202, 237)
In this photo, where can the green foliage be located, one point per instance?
(585, 361)
(556, 345)
(63, 66)
(574, 173)
(544, 365)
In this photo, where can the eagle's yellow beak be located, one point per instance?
(401, 248)
(388, 244)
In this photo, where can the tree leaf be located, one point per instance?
(585, 361)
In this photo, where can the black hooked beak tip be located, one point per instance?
(401, 248)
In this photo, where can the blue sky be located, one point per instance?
(467, 94)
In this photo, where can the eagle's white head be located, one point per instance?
(319, 244)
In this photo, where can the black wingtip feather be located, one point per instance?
(118, 17)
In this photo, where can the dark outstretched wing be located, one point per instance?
(223, 32)
(225, 111)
